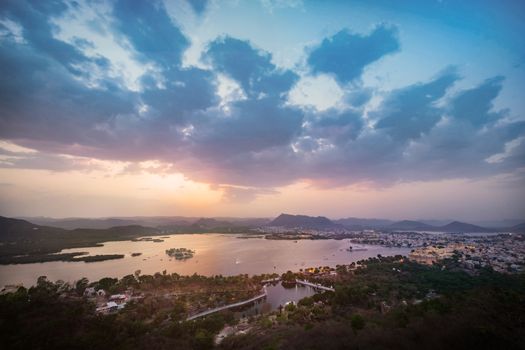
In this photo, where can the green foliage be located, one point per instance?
(357, 322)
(308, 301)
(290, 307)
(81, 285)
(288, 277)
(178, 312)
(466, 312)
(203, 339)
(482, 311)
(106, 283)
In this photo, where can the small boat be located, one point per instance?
(351, 249)
(237, 261)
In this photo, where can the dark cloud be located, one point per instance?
(37, 30)
(251, 126)
(337, 127)
(410, 112)
(250, 67)
(150, 30)
(42, 101)
(57, 100)
(345, 55)
(184, 91)
(475, 105)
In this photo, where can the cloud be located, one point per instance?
(250, 67)
(475, 105)
(243, 195)
(408, 113)
(345, 55)
(46, 161)
(61, 102)
(148, 27)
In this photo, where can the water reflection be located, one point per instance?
(215, 254)
(278, 295)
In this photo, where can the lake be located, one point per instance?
(215, 254)
(277, 295)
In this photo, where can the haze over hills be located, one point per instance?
(26, 242)
(321, 222)
(303, 221)
(410, 225)
(166, 222)
(17, 229)
(285, 220)
(457, 226)
(360, 223)
(520, 228)
(14, 229)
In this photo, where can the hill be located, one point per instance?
(453, 227)
(462, 227)
(37, 243)
(161, 222)
(303, 221)
(73, 223)
(16, 229)
(520, 228)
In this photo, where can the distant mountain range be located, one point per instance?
(22, 241)
(520, 228)
(303, 221)
(162, 222)
(455, 226)
(227, 224)
(17, 230)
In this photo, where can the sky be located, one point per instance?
(394, 109)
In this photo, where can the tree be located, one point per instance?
(307, 301)
(358, 322)
(178, 312)
(106, 283)
(203, 339)
(81, 285)
(290, 307)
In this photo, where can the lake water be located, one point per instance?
(277, 295)
(214, 254)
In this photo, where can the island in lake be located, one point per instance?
(180, 253)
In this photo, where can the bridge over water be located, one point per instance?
(225, 307)
(313, 285)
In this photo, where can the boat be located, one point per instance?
(352, 249)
